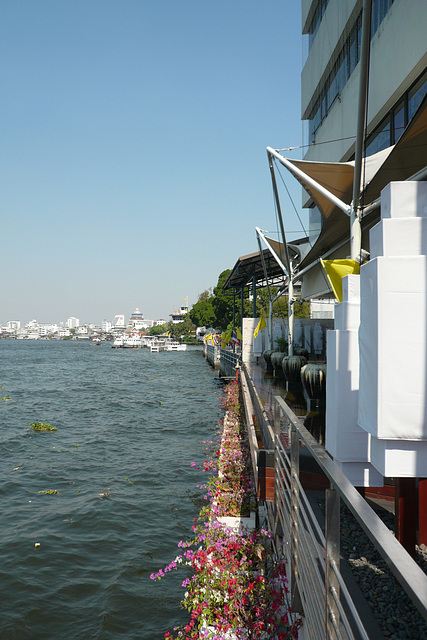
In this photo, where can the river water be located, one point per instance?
(129, 423)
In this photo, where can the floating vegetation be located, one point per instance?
(49, 492)
(6, 398)
(105, 494)
(41, 426)
(130, 481)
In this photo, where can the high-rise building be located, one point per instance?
(119, 321)
(136, 320)
(330, 77)
(73, 323)
(330, 83)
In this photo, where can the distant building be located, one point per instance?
(179, 315)
(107, 326)
(73, 323)
(13, 325)
(118, 322)
(136, 320)
(322, 309)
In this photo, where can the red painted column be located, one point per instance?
(422, 511)
(406, 513)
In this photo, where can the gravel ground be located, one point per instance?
(396, 615)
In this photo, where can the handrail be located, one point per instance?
(412, 579)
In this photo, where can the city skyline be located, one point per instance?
(134, 148)
(64, 322)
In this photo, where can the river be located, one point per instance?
(76, 564)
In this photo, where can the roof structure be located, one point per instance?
(399, 162)
(250, 268)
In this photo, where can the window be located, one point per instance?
(318, 14)
(346, 62)
(380, 139)
(399, 121)
(416, 96)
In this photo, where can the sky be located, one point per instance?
(133, 152)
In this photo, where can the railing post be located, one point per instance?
(276, 429)
(295, 594)
(332, 534)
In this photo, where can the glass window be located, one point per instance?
(416, 96)
(352, 53)
(375, 17)
(379, 140)
(359, 37)
(332, 91)
(342, 74)
(398, 121)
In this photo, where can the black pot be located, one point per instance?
(313, 378)
(299, 351)
(267, 357)
(291, 366)
(276, 360)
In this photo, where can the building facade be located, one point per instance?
(330, 93)
(330, 76)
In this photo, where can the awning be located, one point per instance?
(250, 267)
(399, 162)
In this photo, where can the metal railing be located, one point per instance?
(213, 355)
(317, 586)
(229, 360)
(261, 417)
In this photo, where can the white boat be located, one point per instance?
(175, 346)
(118, 342)
(134, 341)
(166, 345)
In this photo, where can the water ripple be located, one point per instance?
(129, 424)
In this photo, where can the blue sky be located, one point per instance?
(134, 132)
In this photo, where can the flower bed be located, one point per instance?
(235, 590)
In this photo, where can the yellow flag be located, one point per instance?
(261, 324)
(239, 334)
(336, 270)
(227, 337)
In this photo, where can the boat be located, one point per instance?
(134, 341)
(118, 342)
(175, 346)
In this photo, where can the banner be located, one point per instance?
(336, 270)
(261, 324)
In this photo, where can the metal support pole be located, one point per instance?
(355, 217)
(296, 598)
(332, 588)
(291, 317)
(254, 314)
(241, 310)
(270, 323)
(234, 315)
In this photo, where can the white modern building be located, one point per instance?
(119, 321)
(13, 325)
(73, 323)
(330, 77)
(377, 353)
(106, 326)
(179, 314)
(329, 103)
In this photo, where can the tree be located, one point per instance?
(159, 329)
(182, 329)
(202, 313)
(280, 306)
